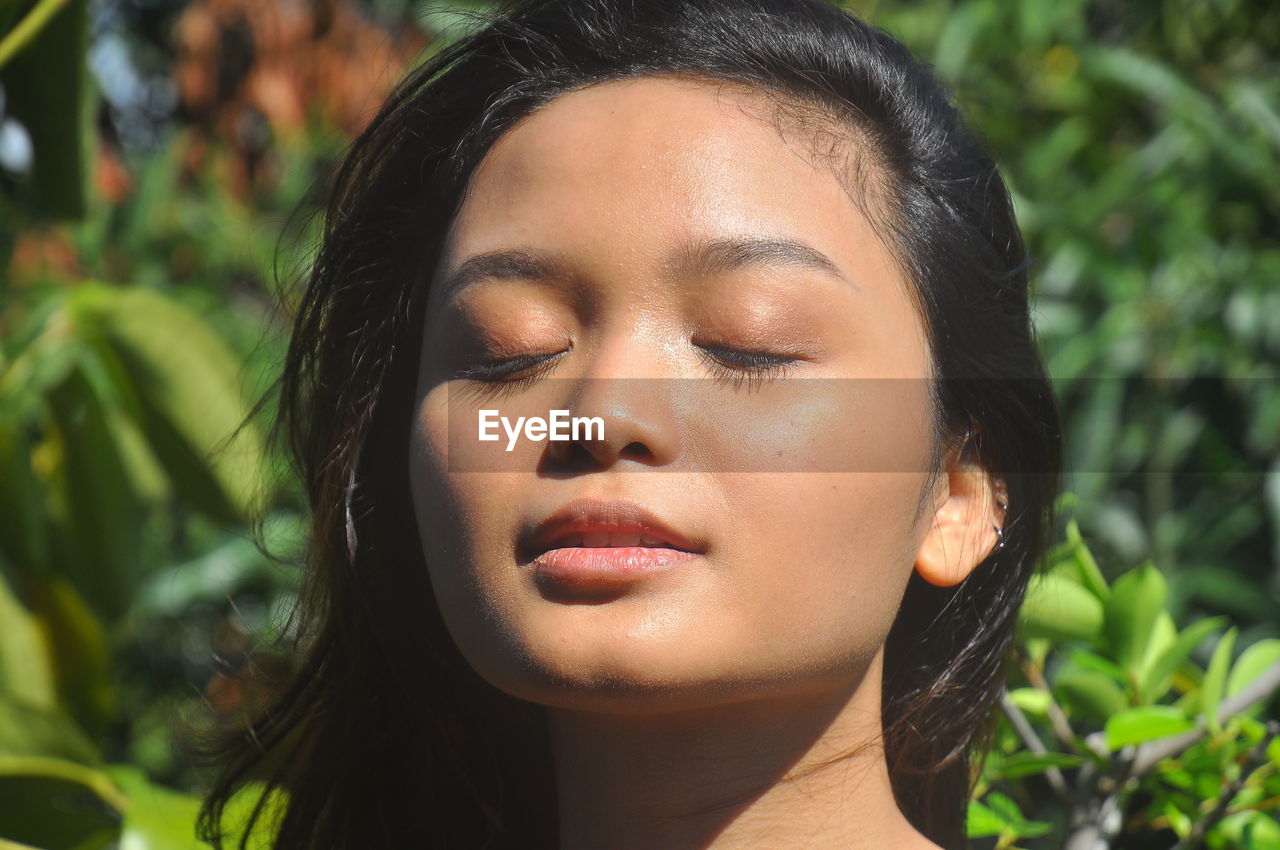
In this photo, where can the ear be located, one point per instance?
(969, 505)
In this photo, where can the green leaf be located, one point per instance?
(1262, 833)
(1136, 601)
(100, 516)
(1034, 829)
(1148, 723)
(1058, 608)
(1154, 678)
(1253, 830)
(26, 663)
(1023, 764)
(1215, 680)
(1032, 701)
(79, 648)
(240, 807)
(157, 818)
(1002, 814)
(1090, 694)
(48, 89)
(983, 822)
(956, 41)
(1163, 636)
(1252, 663)
(187, 383)
(35, 731)
(52, 803)
(1179, 822)
(146, 477)
(1086, 660)
(23, 533)
(1090, 576)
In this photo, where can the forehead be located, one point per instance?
(627, 167)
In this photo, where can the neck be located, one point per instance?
(800, 772)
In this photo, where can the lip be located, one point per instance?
(606, 542)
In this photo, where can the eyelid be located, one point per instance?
(758, 355)
(754, 366)
(727, 360)
(500, 369)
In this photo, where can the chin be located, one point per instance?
(605, 671)
(622, 674)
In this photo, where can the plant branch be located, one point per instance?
(1255, 759)
(1057, 719)
(1152, 753)
(28, 28)
(1260, 806)
(1032, 740)
(1096, 821)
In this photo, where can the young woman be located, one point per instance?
(754, 241)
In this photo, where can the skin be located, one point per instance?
(707, 705)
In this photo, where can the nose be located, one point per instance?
(628, 387)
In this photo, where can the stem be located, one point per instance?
(1260, 806)
(1057, 719)
(1094, 827)
(28, 28)
(1096, 820)
(1152, 753)
(1032, 740)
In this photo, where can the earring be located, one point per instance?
(348, 493)
(1004, 511)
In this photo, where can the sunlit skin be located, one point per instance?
(760, 657)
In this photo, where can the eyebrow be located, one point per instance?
(730, 254)
(721, 255)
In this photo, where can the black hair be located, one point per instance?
(384, 736)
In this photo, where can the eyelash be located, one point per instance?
(511, 374)
(730, 365)
(755, 368)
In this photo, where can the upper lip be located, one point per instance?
(620, 516)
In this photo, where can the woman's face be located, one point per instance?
(656, 253)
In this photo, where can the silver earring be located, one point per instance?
(348, 493)
(1004, 509)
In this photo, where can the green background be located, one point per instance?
(151, 245)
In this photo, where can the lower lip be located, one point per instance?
(607, 564)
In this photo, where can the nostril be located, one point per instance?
(636, 449)
(571, 455)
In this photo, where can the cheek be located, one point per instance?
(460, 513)
(835, 425)
(465, 530)
(832, 554)
(825, 513)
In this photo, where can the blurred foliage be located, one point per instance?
(1141, 141)
(145, 207)
(1116, 734)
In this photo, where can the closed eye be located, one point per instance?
(506, 375)
(503, 368)
(754, 367)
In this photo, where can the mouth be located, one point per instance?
(617, 537)
(603, 543)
